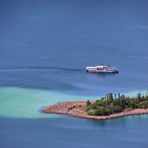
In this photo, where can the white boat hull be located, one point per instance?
(105, 69)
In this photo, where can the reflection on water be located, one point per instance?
(101, 75)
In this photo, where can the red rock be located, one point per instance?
(77, 109)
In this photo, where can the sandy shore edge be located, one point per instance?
(77, 109)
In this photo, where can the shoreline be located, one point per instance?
(77, 109)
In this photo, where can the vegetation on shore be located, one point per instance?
(111, 104)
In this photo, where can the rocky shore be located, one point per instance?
(77, 109)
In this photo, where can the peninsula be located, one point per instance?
(108, 107)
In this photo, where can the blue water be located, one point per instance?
(44, 48)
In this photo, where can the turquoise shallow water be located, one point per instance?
(23, 125)
(26, 103)
(44, 48)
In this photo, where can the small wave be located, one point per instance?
(29, 68)
(139, 27)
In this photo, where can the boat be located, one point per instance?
(102, 69)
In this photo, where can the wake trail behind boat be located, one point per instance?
(40, 68)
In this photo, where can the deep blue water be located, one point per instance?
(46, 44)
(129, 132)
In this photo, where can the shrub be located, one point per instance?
(115, 104)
